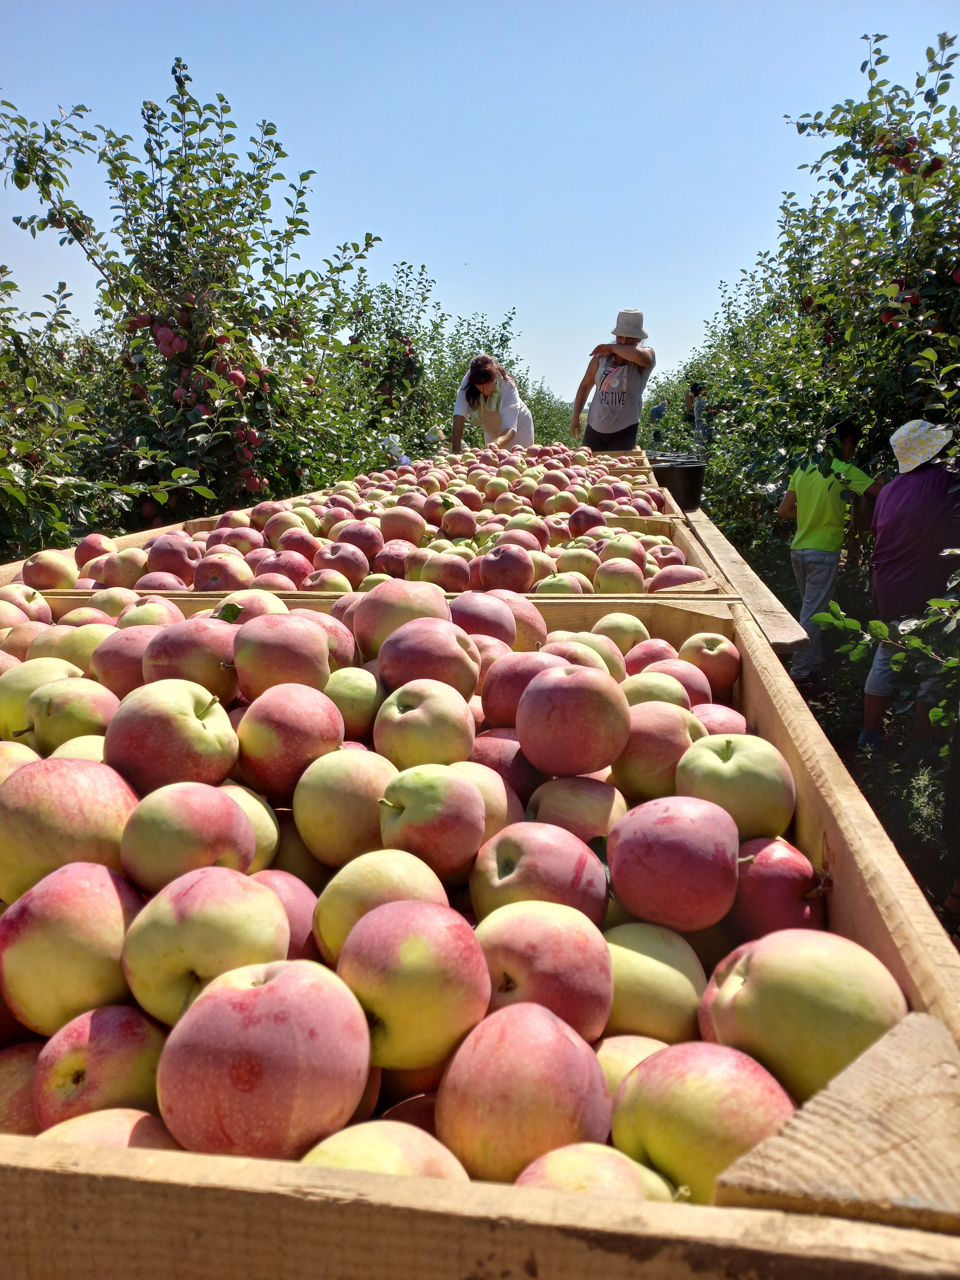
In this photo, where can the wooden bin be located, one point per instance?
(862, 1184)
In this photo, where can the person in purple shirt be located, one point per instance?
(915, 519)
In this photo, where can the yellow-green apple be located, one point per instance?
(170, 731)
(535, 861)
(268, 1060)
(280, 649)
(522, 1083)
(597, 1170)
(51, 570)
(581, 559)
(117, 661)
(652, 649)
(660, 734)
(623, 546)
(388, 605)
(436, 814)
(113, 600)
(480, 613)
(150, 610)
(358, 695)
(424, 722)
(282, 731)
(17, 684)
(501, 803)
(587, 807)
(370, 880)
(777, 888)
(387, 1146)
(673, 860)
(249, 602)
(431, 649)
(692, 1109)
(299, 902)
(81, 616)
(618, 1055)
(692, 678)
(506, 681)
(78, 644)
(551, 954)
(56, 811)
(293, 855)
(718, 718)
(619, 577)
(197, 649)
(105, 1057)
(180, 827)
(716, 656)
(559, 584)
(655, 686)
(113, 1127)
(31, 602)
(13, 756)
(745, 775)
(66, 709)
(198, 926)
(803, 1002)
(266, 828)
(18, 1062)
(607, 650)
(123, 568)
(572, 720)
(531, 628)
(336, 804)
(420, 975)
(60, 945)
(657, 983)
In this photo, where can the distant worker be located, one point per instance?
(818, 505)
(617, 374)
(488, 396)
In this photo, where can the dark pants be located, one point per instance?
(616, 442)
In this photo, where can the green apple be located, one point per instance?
(657, 983)
(387, 1146)
(336, 804)
(745, 775)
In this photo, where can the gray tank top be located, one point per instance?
(617, 396)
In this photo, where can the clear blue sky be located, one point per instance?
(563, 159)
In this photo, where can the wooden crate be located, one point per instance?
(863, 1183)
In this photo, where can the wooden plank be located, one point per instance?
(85, 1214)
(881, 1141)
(781, 629)
(873, 899)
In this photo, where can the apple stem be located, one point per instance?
(387, 804)
(208, 708)
(20, 733)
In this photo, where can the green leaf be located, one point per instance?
(879, 630)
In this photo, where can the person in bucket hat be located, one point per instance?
(618, 372)
(915, 520)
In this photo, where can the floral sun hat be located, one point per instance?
(917, 442)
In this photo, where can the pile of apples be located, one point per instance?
(545, 523)
(414, 886)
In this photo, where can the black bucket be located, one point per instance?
(683, 478)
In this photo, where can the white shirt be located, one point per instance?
(514, 414)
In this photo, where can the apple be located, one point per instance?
(387, 1146)
(13, 756)
(402, 523)
(803, 1002)
(60, 945)
(534, 861)
(189, 734)
(18, 1113)
(716, 656)
(717, 718)
(358, 695)
(17, 684)
(657, 983)
(506, 681)
(433, 649)
(239, 1076)
(501, 803)
(31, 602)
(117, 661)
(692, 678)
(436, 814)
(646, 652)
(692, 1109)
(370, 880)
(777, 888)
(250, 602)
(113, 1127)
(57, 811)
(197, 649)
(551, 954)
(480, 613)
(586, 807)
(104, 1057)
(521, 1084)
(597, 1170)
(280, 649)
(572, 720)
(196, 927)
(182, 826)
(66, 709)
(656, 686)
(282, 731)
(531, 628)
(17, 641)
(299, 902)
(51, 570)
(420, 975)
(745, 775)
(336, 804)
(618, 1055)
(424, 722)
(389, 604)
(266, 828)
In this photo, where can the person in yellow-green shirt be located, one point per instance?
(818, 504)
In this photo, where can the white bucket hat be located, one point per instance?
(917, 442)
(630, 324)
